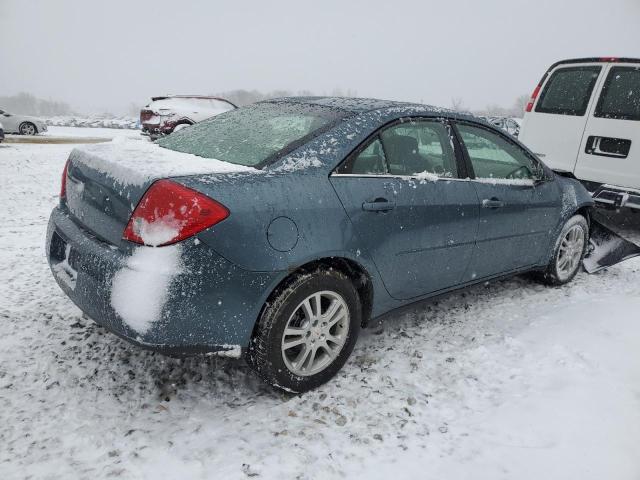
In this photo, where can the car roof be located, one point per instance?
(595, 60)
(363, 105)
(204, 97)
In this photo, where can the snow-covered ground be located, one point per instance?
(509, 380)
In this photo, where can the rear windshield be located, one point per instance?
(620, 97)
(253, 135)
(568, 91)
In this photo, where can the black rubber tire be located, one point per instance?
(264, 353)
(550, 275)
(35, 129)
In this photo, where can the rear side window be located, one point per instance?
(568, 91)
(620, 97)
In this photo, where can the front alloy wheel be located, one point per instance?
(570, 248)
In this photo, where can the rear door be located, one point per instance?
(554, 127)
(517, 212)
(610, 148)
(410, 209)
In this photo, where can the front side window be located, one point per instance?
(620, 97)
(417, 147)
(568, 90)
(253, 135)
(493, 157)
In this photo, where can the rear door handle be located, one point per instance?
(378, 205)
(492, 203)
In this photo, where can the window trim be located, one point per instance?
(572, 113)
(467, 158)
(457, 149)
(597, 113)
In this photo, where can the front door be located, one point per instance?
(516, 214)
(411, 211)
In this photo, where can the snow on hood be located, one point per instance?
(137, 161)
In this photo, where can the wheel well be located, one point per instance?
(586, 213)
(358, 275)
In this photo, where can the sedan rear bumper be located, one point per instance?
(206, 304)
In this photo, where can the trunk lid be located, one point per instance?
(106, 181)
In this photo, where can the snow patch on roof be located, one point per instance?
(137, 161)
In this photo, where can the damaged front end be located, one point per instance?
(607, 246)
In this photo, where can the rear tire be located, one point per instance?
(307, 331)
(28, 128)
(569, 250)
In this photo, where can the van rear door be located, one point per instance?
(610, 148)
(553, 128)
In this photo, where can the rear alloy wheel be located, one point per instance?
(28, 128)
(569, 251)
(306, 331)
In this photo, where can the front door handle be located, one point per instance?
(378, 205)
(492, 203)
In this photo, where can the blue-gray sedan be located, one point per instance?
(276, 231)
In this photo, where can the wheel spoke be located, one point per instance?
(339, 315)
(312, 357)
(318, 304)
(293, 343)
(302, 357)
(308, 311)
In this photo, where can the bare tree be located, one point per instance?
(457, 104)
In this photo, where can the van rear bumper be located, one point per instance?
(617, 197)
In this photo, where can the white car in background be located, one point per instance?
(165, 115)
(584, 119)
(22, 124)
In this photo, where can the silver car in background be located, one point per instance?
(22, 124)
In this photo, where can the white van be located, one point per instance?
(584, 119)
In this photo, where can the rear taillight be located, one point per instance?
(169, 213)
(532, 100)
(63, 184)
(146, 115)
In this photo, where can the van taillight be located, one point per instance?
(532, 100)
(170, 212)
(63, 185)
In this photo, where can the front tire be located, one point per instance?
(569, 250)
(307, 331)
(28, 128)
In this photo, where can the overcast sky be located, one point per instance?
(106, 54)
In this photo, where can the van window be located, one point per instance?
(568, 91)
(620, 97)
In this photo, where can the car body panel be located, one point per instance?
(291, 213)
